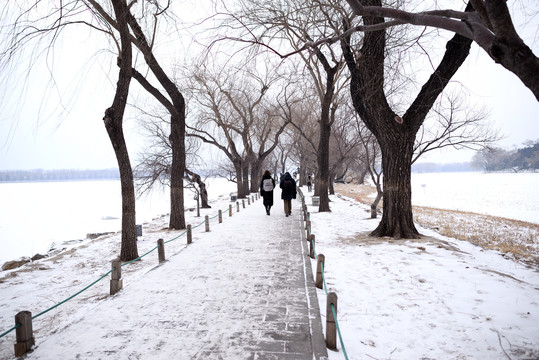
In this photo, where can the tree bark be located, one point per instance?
(114, 124)
(397, 218)
(192, 176)
(245, 180)
(177, 170)
(325, 133)
(331, 183)
(374, 205)
(239, 177)
(256, 174)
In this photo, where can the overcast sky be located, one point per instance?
(33, 135)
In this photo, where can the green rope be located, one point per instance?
(194, 227)
(339, 331)
(140, 257)
(71, 297)
(10, 330)
(176, 237)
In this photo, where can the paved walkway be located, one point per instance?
(242, 291)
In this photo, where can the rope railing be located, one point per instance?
(331, 305)
(24, 344)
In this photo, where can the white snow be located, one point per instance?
(436, 298)
(509, 195)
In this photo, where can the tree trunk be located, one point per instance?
(239, 178)
(177, 141)
(202, 188)
(129, 249)
(331, 181)
(256, 174)
(204, 195)
(397, 219)
(362, 173)
(323, 172)
(302, 171)
(374, 205)
(323, 144)
(245, 180)
(113, 123)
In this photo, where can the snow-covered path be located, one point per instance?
(238, 292)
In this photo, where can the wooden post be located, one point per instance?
(189, 234)
(243, 203)
(248, 200)
(220, 216)
(207, 221)
(230, 210)
(308, 229)
(331, 327)
(161, 250)
(116, 281)
(24, 333)
(320, 266)
(253, 198)
(237, 206)
(311, 246)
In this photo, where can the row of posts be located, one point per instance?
(331, 301)
(24, 332)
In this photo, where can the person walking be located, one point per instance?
(288, 186)
(267, 184)
(309, 183)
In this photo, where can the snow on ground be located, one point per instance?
(436, 298)
(509, 195)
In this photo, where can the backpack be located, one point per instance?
(288, 186)
(267, 185)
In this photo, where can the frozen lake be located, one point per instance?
(34, 215)
(509, 195)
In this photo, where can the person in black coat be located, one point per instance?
(288, 184)
(267, 184)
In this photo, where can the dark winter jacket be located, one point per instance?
(267, 195)
(288, 184)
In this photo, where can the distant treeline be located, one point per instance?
(498, 159)
(434, 167)
(57, 175)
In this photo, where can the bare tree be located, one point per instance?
(395, 134)
(489, 24)
(114, 124)
(217, 118)
(172, 98)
